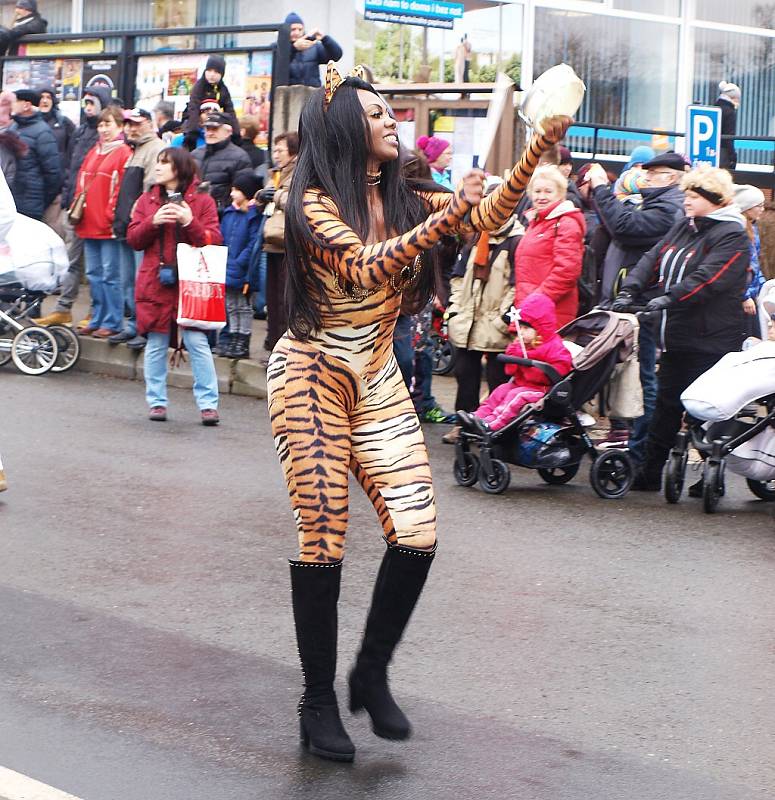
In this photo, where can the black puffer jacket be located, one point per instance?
(634, 229)
(727, 153)
(39, 171)
(702, 264)
(83, 139)
(218, 164)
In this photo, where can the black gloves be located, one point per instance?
(660, 303)
(622, 303)
(266, 195)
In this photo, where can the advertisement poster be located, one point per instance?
(16, 75)
(181, 81)
(151, 85)
(258, 87)
(235, 77)
(43, 72)
(71, 78)
(101, 73)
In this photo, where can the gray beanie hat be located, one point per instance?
(747, 196)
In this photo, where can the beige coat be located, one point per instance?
(476, 308)
(281, 197)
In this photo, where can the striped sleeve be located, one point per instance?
(370, 265)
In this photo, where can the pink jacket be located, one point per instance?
(538, 311)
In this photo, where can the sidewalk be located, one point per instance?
(246, 377)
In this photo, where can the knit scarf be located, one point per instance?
(482, 258)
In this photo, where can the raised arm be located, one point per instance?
(498, 206)
(369, 265)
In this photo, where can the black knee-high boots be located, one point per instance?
(315, 592)
(400, 582)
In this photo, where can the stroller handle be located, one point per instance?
(547, 369)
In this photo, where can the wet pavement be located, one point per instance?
(566, 648)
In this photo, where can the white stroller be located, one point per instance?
(33, 260)
(732, 406)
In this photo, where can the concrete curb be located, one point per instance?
(243, 377)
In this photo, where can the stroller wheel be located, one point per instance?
(6, 338)
(558, 475)
(611, 474)
(498, 481)
(712, 485)
(764, 490)
(443, 355)
(34, 350)
(675, 472)
(466, 472)
(69, 347)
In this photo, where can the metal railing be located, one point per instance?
(595, 132)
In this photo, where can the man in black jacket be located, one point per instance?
(39, 172)
(95, 99)
(220, 159)
(26, 20)
(635, 227)
(699, 270)
(63, 128)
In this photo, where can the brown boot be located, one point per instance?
(55, 318)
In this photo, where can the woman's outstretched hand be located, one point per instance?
(472, 186)
(555, 128)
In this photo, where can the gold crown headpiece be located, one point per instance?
(334, 80)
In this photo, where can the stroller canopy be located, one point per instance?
(33, 256)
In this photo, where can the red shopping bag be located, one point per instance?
(202, 286)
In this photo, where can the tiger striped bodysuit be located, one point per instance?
(338, 402)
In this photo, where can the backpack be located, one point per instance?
(588, 283)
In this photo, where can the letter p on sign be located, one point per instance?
(703, 134)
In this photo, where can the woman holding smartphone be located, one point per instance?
(169, 213)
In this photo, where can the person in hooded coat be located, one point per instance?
(210, 86)
(700, 271)
(537, 340)
(63, 128)
(548, 259)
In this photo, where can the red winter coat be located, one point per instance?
(100, 175)
(157, 305)
(548, 259)
(538, 310)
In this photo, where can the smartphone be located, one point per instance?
(175, 197)
(311, 37)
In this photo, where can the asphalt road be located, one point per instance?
(566, 648)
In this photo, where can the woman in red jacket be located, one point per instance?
(100, 178)
(156, 227)
(548, 259)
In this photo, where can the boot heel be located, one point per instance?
(303, 735)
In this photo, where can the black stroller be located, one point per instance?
(548, 436)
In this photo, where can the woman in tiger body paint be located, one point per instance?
(356, 232)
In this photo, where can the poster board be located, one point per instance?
(171, 77)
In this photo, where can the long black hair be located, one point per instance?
(333, 154)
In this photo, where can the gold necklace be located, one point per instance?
(400, 283)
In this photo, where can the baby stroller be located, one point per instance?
(732, 425)
(32, 261)
(548, 436)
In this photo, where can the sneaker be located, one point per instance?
(436, 414)
(137, 343)
(616, 437)
(586, 420)
(210, 417)
(158, 414)
(120, 338)
(84, 323)
(452, 436)
(55, 318)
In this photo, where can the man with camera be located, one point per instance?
(308, 52)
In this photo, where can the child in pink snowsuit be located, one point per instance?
(538, 322)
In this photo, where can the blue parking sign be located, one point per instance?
(703, 134)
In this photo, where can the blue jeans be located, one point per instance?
(130, 263)
(103, 269)
(259, 298)
(403, 350)
(202, 366)
(647, 357)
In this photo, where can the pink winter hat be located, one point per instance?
(432, 146)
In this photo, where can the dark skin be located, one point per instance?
(383, 146)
